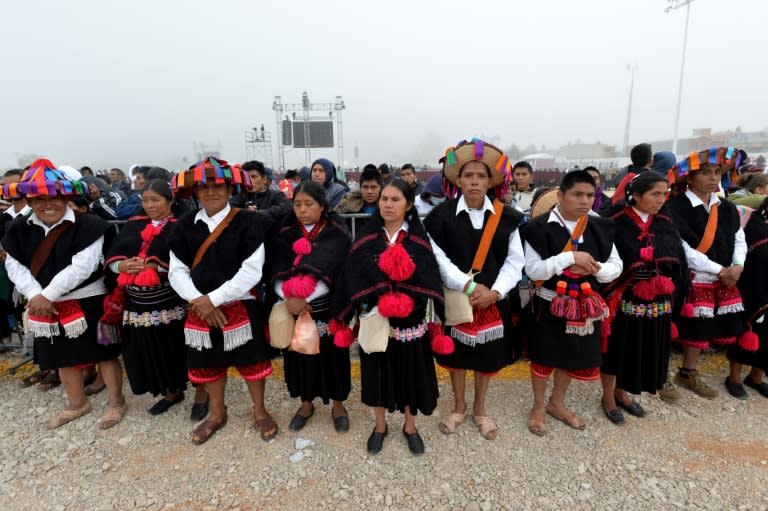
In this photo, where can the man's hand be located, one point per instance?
(42, 306)
(483, 297)
(730, 276)
(216, 319)
(584, 264)
(297, 305)
(202, 306)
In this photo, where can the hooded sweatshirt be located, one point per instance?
(334, 192)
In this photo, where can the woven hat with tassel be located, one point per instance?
(729, 159)
(475, 149)
(210, 170)
(42, 178)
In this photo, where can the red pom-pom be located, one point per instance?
(300, 286)
(645, 290)
(335, 325)
(663, 285)
(395, 305)
(674, 334)
(442, 345)
(686, 310)
(749, 341)
(396, 263)
(147, 277)
(125, 279)
(343, 337)
(302, 246)
(646, 254)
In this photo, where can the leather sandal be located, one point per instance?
(65, 416)
(487, 427)
(267, 428)
(113, 415)
(206, 429)
(536, 427)
(448, 423)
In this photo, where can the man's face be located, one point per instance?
(318, 174)
(115, 176)
(258, 182)
(139, 181)
(706, 180)
(370, 191)
(577, 201)
(93, 191)
(523, 178)
(595, 176)
(474, 181)
(49, 209)
(408, 176)
(213, 197)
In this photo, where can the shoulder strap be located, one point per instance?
(488, 232)
(578, 232)
(43, 250)
(213, 236)
(709, 232)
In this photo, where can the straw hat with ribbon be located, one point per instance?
(545, 203)
(210, 170)
(465, 151)
(727, 158)
(44, 179)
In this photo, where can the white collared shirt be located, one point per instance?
(236, 288)
(705, 269)
(544, 269)
(12, 211)
(61, 287)
(392, 239)
(510, 272)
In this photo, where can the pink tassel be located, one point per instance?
(300, 286)
(645, 290)
(674, 334)
(125, 279)
(302, 246)
(572, 309)
(749, 341)
(557, 307)
(686, 310)
(396, 263)
(663, 285)
(147, 277)
(343, 338)
(593, 307)
(395, 305)
(442, 345)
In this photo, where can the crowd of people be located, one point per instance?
(474, 270)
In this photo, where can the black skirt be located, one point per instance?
(153, 340)
(551, 346)
(638, 349)
(253, 351)
(60, 351)
(759, 358)
(403, 375)
(326, 375)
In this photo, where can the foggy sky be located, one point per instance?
(114, 83)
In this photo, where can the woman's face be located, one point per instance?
(392, 205)
(155, 205)
(308, 211)
(651, 201)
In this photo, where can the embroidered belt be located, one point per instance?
(154, 318)
(647, 310)
(408, 334)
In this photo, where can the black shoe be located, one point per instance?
(633, 408)
(341, 423)
(163, 405)
(614, 416)
(376, 440)
(299, 421)
(735, 389)
(415, 443)
(761, 387)
(199, 411)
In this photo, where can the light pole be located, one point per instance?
(674, 5)
(631, 68)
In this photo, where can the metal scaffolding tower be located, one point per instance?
(258, 145)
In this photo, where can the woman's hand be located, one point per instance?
(297, 305)
(131, 266)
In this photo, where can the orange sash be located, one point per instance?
(488, 232)
(578, 232)
(709, 232)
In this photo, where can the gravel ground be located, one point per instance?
(698, 454)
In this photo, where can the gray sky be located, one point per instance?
(114, 83)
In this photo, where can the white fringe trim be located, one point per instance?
(580, 330)
(703, 312)
(75, 328)
(40, 329)
(482, 337)
(237, 337)
(730, 309)
(197, 339)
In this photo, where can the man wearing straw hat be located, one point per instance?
(479, 252)
(569, 254)
(216, 260)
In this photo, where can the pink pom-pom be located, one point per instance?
(343, 337)
(749, 341)
(645, 290)
(663, 285)
(302, 246)
(300, 286)
(442, 345)
(673, 333)
(125, 279)
(686, 310)
(395, 305)
(147, 277)
(396, 263)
